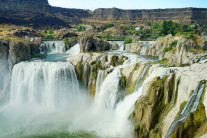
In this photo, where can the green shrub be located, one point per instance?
(66, 41)
(100, 36)
(128, 40)
(104, 27)
(49, 37)
(50, 32)
(38, 55)
(173, 44)
(166, 49)
(81, 28)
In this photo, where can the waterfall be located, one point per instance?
(126, 107)
(75, 50)
(143, 50)
(85, 75)
(43, 83)
(190, 107)
(108, 91)
(52, 47)
(140, 79)
(121, 45)
(99, 81)
(91, 76)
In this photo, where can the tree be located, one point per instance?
(50, 32)
(164, 28)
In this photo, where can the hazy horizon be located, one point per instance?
(134, 4)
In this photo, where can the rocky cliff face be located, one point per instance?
(164, 92)
(182, 15)
(179, 49)
(40, 13)
(12, 52)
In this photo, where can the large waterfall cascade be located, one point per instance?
(44, 83)
(47, 98)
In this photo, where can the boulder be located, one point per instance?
(90, 43)
(4, 53)
(114, 46)
(134, 47)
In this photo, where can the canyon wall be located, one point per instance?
(182, 15)
(40, 13)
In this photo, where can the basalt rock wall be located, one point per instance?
(181, 15)
(41, 13)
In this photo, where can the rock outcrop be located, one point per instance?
(18, 51)
(90, 43)
(134, 47)
(12, 52)
(71, 42)
(4, 54)
(179, 49)
(163, 99)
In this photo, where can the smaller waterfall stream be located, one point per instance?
(140, 79)
(74, 50)
(108, 90)
(52, 47)
(143, 50)
(190, 107)
(100, 79)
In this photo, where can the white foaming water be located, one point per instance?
(52, 47)
(126, 107)
(143, 50)
(99, 81)
(74, 50)
(44, 83)
(48, 100)
(108, 91)
(121, 45)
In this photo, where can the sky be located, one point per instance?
(128, 4)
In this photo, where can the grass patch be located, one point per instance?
(38, 55)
